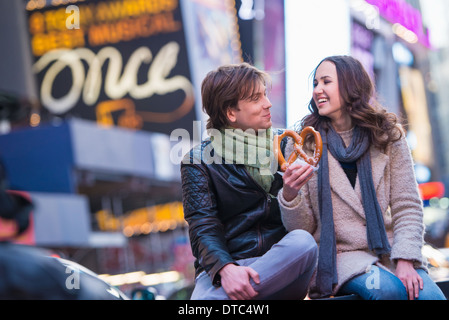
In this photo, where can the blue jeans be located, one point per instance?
(285, 270)
(379, 284)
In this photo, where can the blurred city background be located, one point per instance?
(93, 94)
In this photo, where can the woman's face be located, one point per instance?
(326, 93)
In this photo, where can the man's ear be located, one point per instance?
(230, 113)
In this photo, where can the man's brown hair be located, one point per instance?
(224, 87)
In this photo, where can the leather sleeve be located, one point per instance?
(205, 228)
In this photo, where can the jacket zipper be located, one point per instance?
(268, 209)
(267, 195)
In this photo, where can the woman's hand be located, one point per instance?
(409, 277)
(295, 177)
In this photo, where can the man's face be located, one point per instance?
(253, 113)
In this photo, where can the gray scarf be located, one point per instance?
(358, 150)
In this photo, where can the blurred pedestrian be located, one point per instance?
(363, 205)
(30, 273)
(242, 250)
(26, 272)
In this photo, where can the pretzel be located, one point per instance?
(299, 140)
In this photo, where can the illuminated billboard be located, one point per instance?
(117, 62)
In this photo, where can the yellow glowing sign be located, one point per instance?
(128, 119)
(103, 23)
(415, 105)
(161, 218)
(129, 29)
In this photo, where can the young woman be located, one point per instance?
(363, 205)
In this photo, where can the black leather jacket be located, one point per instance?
(230, 216)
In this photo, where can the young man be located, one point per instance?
(229, 185)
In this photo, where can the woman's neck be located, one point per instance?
(343, 123)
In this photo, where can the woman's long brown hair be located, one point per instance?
(357, 93)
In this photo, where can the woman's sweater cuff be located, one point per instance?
(289, 204)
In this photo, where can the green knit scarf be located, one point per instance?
(255, 151)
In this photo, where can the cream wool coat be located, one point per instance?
(398, 197)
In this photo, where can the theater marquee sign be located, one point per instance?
(118, 62)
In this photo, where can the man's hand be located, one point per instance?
(409, 277)
(294, 178)
(235, 281)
